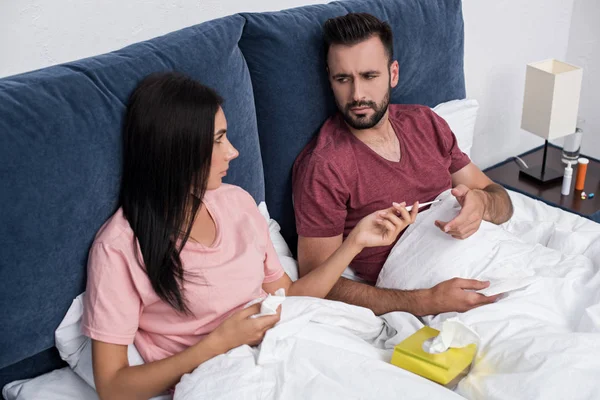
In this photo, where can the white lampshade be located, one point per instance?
(551, 100)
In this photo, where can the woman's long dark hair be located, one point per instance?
(168, 140)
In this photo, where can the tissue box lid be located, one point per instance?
(442, 368)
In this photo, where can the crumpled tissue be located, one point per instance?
(269, 304)
(453, 333)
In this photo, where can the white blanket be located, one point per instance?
(319, 350)
(539, 342)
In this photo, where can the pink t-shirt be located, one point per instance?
(337, 179)
(122, 308)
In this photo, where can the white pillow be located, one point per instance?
(60, 384)
(290, 265)
(460, 116)
(425, 256)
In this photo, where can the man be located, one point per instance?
(372, 154)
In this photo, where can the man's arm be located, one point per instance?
(446, 296)
(498, 206)
(480, 199)
(312, 252)
(380, 300)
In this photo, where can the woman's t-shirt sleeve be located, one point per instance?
(112, 305)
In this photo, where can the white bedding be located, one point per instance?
(60, 384)
(319, 350)
(539, 342)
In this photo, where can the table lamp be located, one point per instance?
(550, 107)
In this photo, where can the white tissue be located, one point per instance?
(506, 285)
(269, 304)
(453, 334)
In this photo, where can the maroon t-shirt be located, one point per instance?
(337, 179)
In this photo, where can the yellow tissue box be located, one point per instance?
(446, 368)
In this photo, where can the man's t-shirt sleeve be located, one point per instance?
(449, 144)
(320, 196)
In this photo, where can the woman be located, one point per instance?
(172, 269)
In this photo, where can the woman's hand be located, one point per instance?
(239, 328)
(382, 227)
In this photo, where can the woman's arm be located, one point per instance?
(115, 379)
(319, 281)
(380, 228)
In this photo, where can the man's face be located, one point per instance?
(361, 79)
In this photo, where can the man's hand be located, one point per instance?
(467, 222)
(459, 295)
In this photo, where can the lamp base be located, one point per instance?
(535, 174)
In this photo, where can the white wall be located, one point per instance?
(501, 37)
(38, 33)
(584, 51)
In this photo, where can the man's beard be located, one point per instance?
(364, 122)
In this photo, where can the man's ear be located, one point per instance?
(394, 73)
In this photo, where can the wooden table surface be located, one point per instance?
(507, 174)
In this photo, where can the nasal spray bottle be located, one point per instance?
(566, 183)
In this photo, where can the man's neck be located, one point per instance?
(378, 133)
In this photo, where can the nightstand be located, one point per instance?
(507, 174)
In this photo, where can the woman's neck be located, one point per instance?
(204, 229)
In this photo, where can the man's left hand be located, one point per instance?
(467, 222)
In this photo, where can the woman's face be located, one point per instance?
(223, 152)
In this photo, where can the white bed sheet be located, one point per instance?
(344, 353)
(539, 342)
(320, 349)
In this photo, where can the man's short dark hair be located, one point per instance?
(354, 28)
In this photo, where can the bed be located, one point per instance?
(60, 146)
